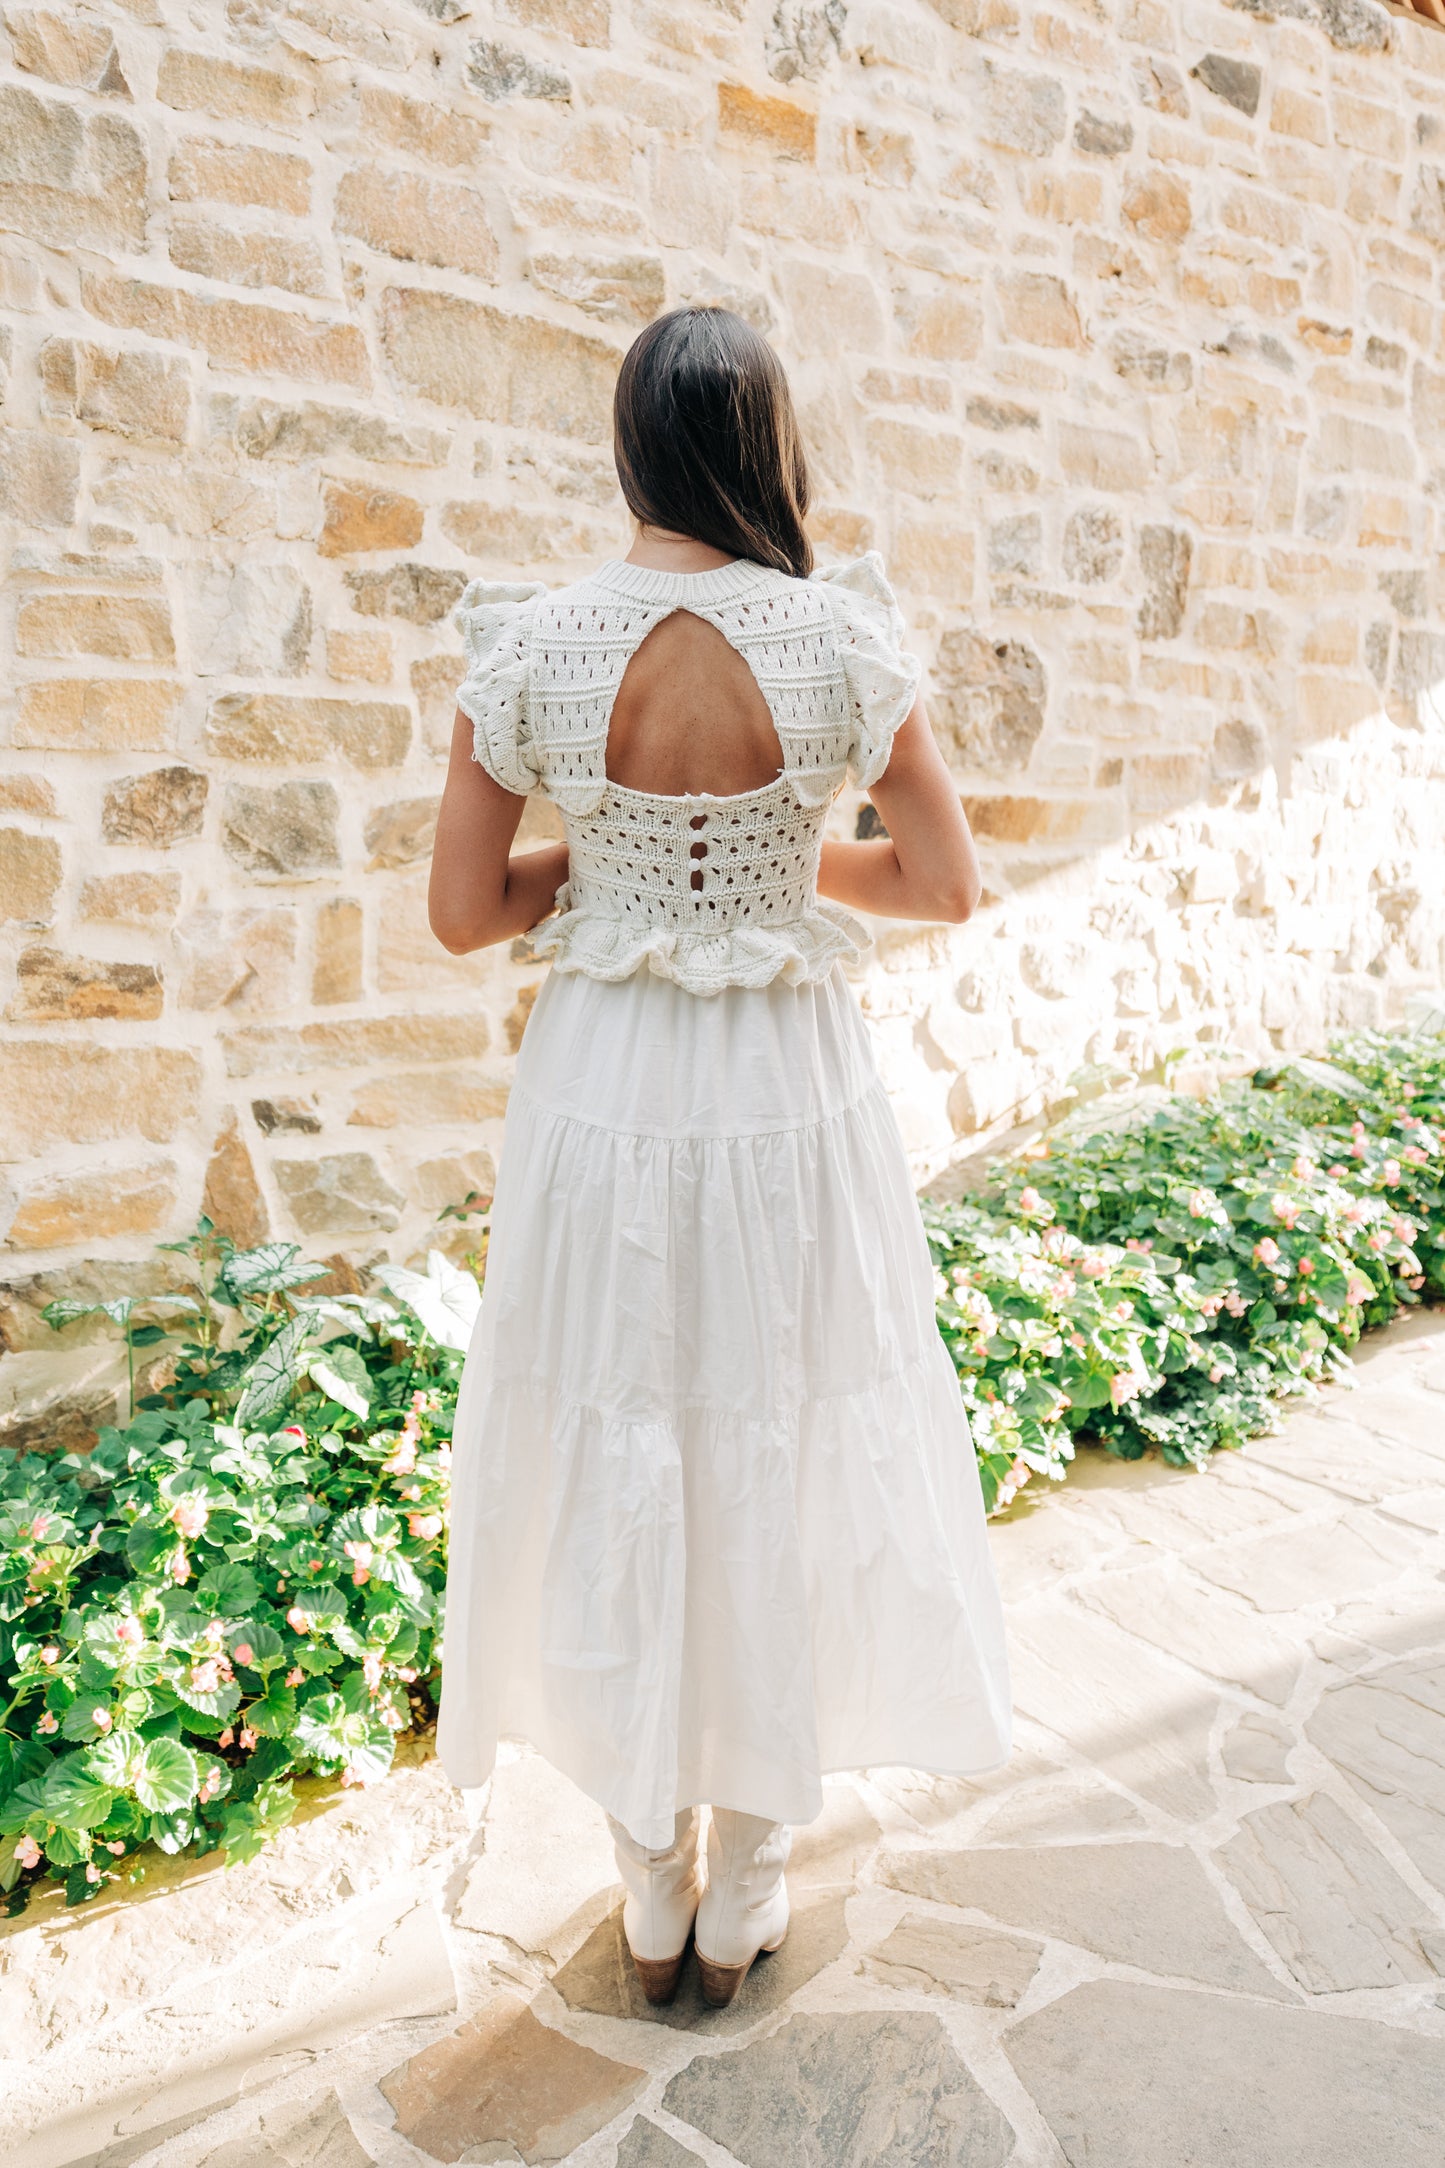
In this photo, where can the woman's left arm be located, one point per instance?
(480, 893)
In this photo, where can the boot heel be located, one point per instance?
(719, 1982)
(659, 1976)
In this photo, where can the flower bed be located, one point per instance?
(1165, 1281)
(242, 1584)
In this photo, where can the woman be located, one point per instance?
(717, 1527)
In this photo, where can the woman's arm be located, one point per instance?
(479, 893)
(926, 867)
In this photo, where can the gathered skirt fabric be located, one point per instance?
(717, 1527)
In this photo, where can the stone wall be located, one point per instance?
(1116, 326)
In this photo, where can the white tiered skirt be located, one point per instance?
(717, 1526)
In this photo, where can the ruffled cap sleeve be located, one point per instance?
(882, 676)
(495, 618)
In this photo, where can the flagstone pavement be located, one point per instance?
(1198, 1921)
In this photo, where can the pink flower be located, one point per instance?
(371, 1670)
(48, 1722)
(248, 1738)
(297, 1620)
(295, 1676)
(1215, 1375)
(409, 1490)
(407, 1672)
(1266, 1251)
(1234, 1303)
(360, 1575)
(243, 1653)
(129, 1630)
(39, 1527)
(1415, 1281)
(424, 1525)
(1199, 1206)
(179, 1568)
(1029, 1200)
(1284, 1208)
(1378, 1239)
(1338, 1169)
(1359, 1288)
(27, 1851)
(292, 1430)
(227, 1737)
(190, 1516)
(1123, 1385)
(1357, 1149)
(1390, 1173)
(1354, 1212)
(92, 1872)
(116, 1847)
(362, 1553)
(1357, 1129)
(1302, 1168)
(102, 1719)
(1415, 1155)
(206, 1676)
(1092, 1267)
(403, 1458)
(1305, 1266)
(50, 1654)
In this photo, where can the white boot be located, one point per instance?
(745, 1907)
(663, 1889)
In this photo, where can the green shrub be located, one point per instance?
(1162, 1282)
(240, 1586)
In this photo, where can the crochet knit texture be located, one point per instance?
(709, 891)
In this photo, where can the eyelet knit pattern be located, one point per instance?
(709, 891)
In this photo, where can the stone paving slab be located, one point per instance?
(1200, 1917)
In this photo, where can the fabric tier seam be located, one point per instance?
(569, 1404)
(692, 1136)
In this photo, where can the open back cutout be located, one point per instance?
(688, 716)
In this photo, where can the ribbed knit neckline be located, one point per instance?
(719, 584)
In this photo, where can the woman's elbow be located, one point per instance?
(959, 900)
(457, 935)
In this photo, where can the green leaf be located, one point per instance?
(73, 1797)
(115, 1759)
(340, 1371)
(217, 1703)
(274, 1716)
(229, 1589)
(167, 1778)
(79, 1721)
(324, 1606)
(273, 1376)
(269, 1269)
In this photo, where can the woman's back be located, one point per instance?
(689, 717)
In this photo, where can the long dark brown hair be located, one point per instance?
(706, 440)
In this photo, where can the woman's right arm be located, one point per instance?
(480, 893)
(926, 867)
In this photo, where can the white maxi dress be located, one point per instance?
(717, 1527)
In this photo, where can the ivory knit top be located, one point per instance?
(709, 891)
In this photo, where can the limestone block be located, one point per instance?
(139, 395)
(240, 336)
(365, 658)
(832, 311)
(499, 72)
(68, 177)
(421, 593)
(214, 250)
(647, 2146)
(84, 1208)
(691, 200)
(122, 715)
(437, 1183)
(81, 56)
(242, 961)
(401, 834)
(270, 429)
(337, 966)
(249, 620)
(358, 518)
(202, 169)
(53, 1093)
(143, 898)
(52, 987)
(30, 870)
(357, 1043)
(774, 125)
(1309, 1563)
(423, 128)
(279, 728)
(120, 628)
(419, 221)
(1256, 1749)
(39, 477)
(988, 702)
(286, 1117)
(232, 1198)
(1387, 1734)
(1038, 308)
(343, 1194)
(1023, 112)
(32, 794)
(919, 461)
(434, 1097)
(288, 833)
(622, 289)
(515, 369)
(160, 808)
(231, 90)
